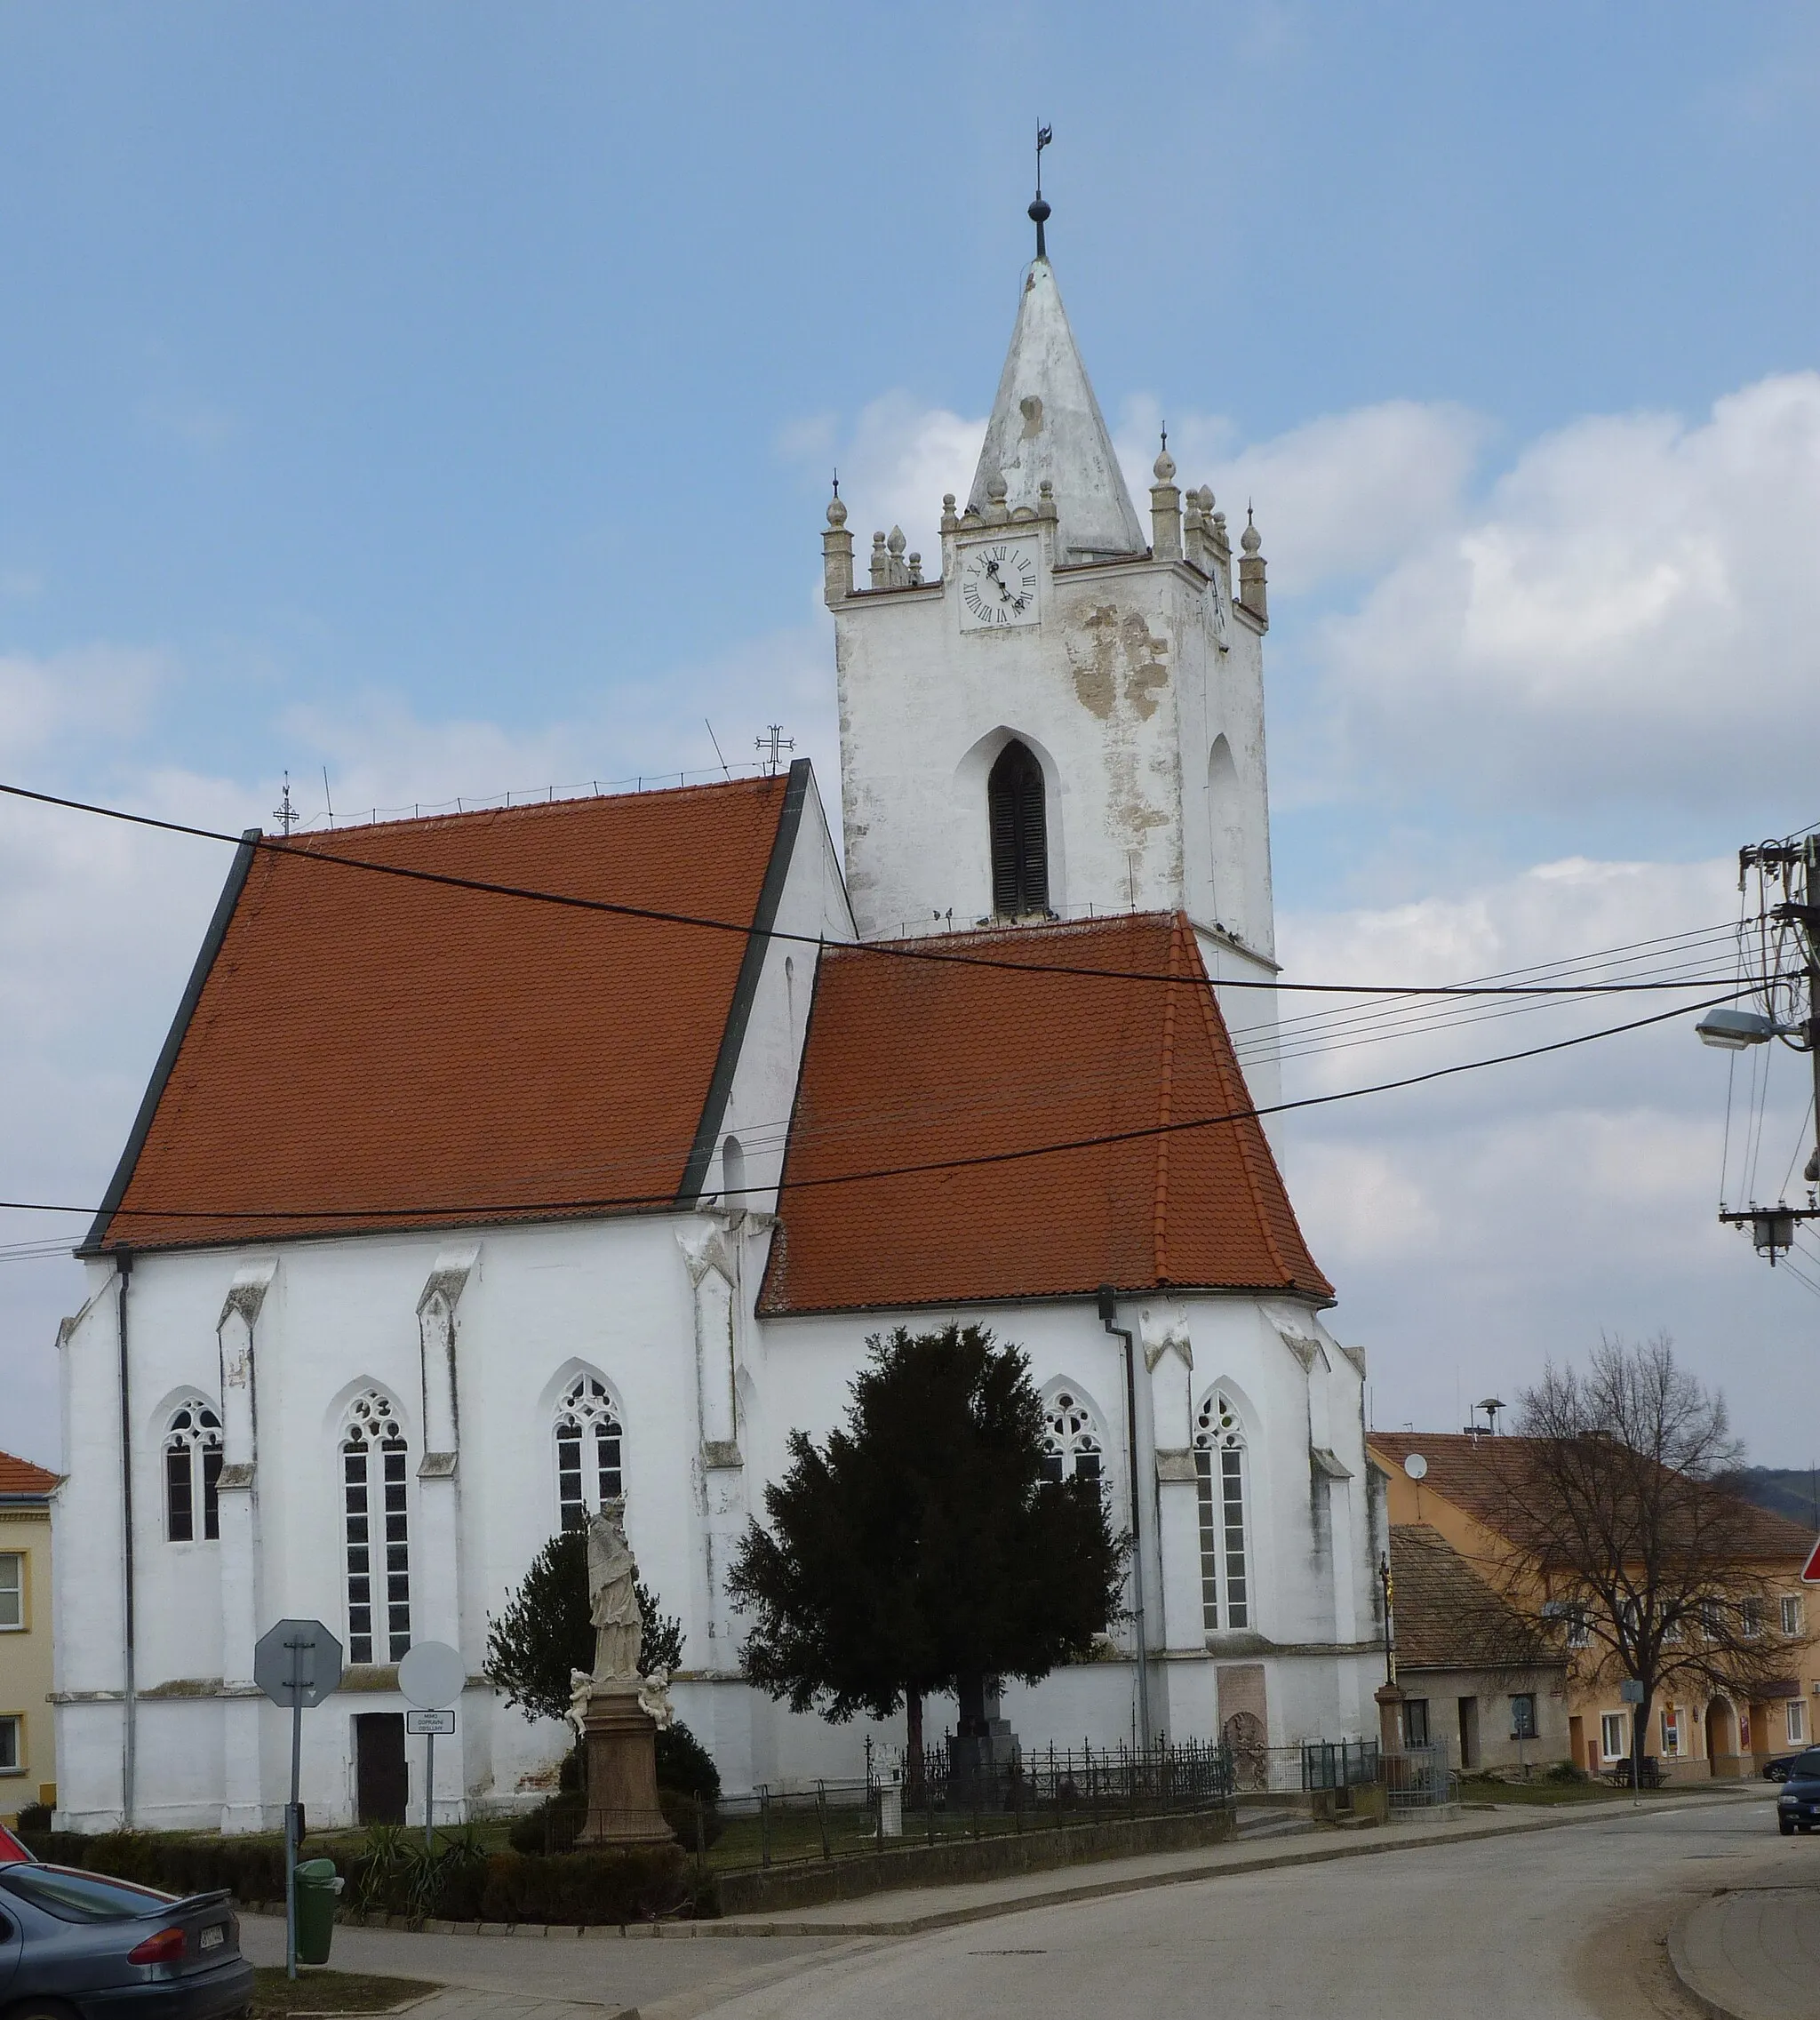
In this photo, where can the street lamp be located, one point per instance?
(1734, 1030)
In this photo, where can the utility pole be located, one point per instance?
(1793, 865)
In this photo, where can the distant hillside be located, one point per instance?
(1788, 1490)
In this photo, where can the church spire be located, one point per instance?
(1046, 426)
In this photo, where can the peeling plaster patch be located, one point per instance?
(1095, 682)
(1146, 673)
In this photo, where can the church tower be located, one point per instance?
(1069, 720)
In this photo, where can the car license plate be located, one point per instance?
(213, 1938)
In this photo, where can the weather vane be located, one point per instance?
(1039, 210)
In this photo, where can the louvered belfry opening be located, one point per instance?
(1019, 834)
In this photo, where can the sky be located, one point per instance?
(440, 400)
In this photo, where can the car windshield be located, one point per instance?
(81, 1896)
(1807, 1766)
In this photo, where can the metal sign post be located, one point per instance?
(432, 1676)
(297, 1664)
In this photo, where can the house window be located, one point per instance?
(12, 1743)
(192, 1471)
(374, 1458)
(1220, 1480)
(12, 1590)
(1670, 1731)
(1797, 1722)
(1072, 1446)
(1020, 828)
(1751, 1616)
(588, 1439)
(1415, 1721)
(1712, 1620)
(1614, 1741)
(1523, 1716)
(1791, 1614)
(1579, 1632)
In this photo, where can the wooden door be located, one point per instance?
(380, 1782)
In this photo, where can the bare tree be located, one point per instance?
(1630, 1544)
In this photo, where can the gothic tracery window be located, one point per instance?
(1020, 828)
(588, 1439)
(192, 1472)
(1219, 1481)
(1073, 1446)
(376, 1519)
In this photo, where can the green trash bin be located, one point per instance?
(317, 1886)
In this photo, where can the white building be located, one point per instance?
(448, 1211)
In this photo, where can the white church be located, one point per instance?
(452, 1210)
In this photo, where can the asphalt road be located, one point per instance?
(1552, 1926)
(1565, 1924)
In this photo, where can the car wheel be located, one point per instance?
(1784, 1827)
(39, 2010)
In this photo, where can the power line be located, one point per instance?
(889, 950)
(509, 1208)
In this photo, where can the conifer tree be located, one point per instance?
(921, 1548)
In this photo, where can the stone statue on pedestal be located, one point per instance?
(613, 1596)
(618, 1712)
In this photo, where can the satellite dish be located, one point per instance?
(1416, 1466)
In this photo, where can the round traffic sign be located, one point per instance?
(431, 1675)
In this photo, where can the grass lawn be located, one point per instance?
(1473, 1790)
(322, 1991)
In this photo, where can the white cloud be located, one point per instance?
(1340, 496)
(95, 688)
(1634, 611)
(1480, 1224)
(896, 462)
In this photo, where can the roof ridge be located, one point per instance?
(567, 802)
(1160, 1210)
(1225, 1067)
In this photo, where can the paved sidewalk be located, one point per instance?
(1753, 1955)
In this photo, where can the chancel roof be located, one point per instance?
(1046, 424)
(913, 1068)
(355, 1044)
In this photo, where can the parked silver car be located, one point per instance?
(75, 1942)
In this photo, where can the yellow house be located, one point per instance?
(28, 1756)
(1447, 1482)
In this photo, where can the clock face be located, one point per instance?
(1222, 622)
(998, 586)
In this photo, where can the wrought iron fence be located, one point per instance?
(1339, 1763)
(936, 1800)
(1419, 1778)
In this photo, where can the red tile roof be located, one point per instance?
(20, 1476)
(362, 1043)
(1483, 1476)
(1446, 1616)
(909, 1063)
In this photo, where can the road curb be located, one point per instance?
(1682, 1964)
(1386, 1837)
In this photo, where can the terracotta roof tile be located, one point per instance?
(910, 1064)
(1446, 1616)
(364, 1042)
(1467, 1471)
(20, 1476)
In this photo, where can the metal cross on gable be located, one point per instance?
(771, 747)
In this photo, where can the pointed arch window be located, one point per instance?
(589, 1438)
(1019, 824)
(192, 1474)
(1220, 1480)
(377, 1525)
(1073, 1445)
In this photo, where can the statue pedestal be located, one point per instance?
(622, 1771)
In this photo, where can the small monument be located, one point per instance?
(617, 1711)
